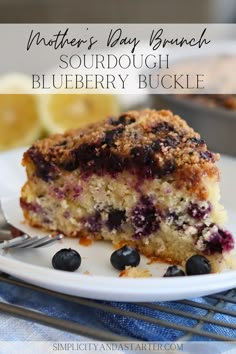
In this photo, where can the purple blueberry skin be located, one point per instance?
(43, 169)
(92, 159)
(197, 141)
(115, 218)
(220, 241)
(198, 213)
(110, 136)
(32, 207)
(124, 120)
(94, 222)
(67, 260)
(77, 192)
(144, 164)
(163, 126)
(125, 256)
(100, 159)
(67, 214)
(145, 218)
(207, 155)
(59, 193)
(197, 265)
(174, 271)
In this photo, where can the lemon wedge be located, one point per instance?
(19, 119)
(60, 112)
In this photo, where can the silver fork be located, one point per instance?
(5, 235)
(25, 241)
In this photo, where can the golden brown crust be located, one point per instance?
(191, 176)
(157, 140)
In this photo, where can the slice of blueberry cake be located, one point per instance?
(144, 178)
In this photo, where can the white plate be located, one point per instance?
(96, 278)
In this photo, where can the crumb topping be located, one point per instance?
(149, 143)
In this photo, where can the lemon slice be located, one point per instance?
(60, 112)
(19, 119)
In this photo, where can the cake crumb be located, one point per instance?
(134, 272)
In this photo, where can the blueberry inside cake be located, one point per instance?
(145, 179)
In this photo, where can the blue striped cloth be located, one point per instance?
(12, 329)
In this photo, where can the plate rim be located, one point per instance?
(106, 287)
(109, 288)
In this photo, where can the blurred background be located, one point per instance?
(24, 118)
(113, 11)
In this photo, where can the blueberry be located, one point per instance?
(142, 154)
(170, 141)
(164, 127)
(82, 156)
(155, 146)
(220, 241)
(168, 167)
(207, 155)
(112, 135)
(115, 219)
(66, 259)
(108, 162)
(174, 271)
(197, 141)
(124, 120)
(199, 212)
(43, 168)
(197, 264)
(125, 256)
(94, 222)
(143, 161)
(145, 218)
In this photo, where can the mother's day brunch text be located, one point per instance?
(116, 37)
(116, 59)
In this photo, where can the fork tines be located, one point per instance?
(26, 241)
